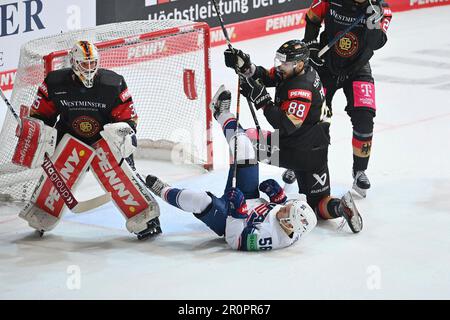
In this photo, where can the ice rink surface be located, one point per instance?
(402, 253)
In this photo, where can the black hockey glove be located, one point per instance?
(314, 48)
(238, 60)
(256, 92)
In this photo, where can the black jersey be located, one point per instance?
(297, 113)
(356, 47)
(298, 101)
(81, 111)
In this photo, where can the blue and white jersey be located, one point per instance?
(261, 230)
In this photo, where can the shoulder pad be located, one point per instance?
(109, 77)
(58, 76)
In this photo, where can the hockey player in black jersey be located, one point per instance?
(92, 106)
(299, 114)
(346, 65)
(82, 99)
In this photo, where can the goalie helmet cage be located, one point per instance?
(166, 67)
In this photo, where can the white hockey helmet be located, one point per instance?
(301, 218)
(84, 59)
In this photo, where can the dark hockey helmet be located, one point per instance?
(292, 51)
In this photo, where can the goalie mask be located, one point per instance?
(84, 59)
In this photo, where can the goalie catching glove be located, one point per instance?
(120, 137)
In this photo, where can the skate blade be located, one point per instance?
(149, 234)
(361, 192)
(356, 221)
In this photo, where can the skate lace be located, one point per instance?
(158, 186)
(224, 105)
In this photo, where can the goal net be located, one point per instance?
(166, 67)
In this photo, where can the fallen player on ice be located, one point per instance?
(248, 222)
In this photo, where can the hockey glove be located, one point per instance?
(314, 49)
(239, 61)
(256, 92)
(237, 207)
(378, 20)
(273, 190)
(374, 15)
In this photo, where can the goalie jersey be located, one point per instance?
(261, 230)
(83, 111)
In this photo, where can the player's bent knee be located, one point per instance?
(193, 201)
(245, 150)
(215, 215)
(364, 95)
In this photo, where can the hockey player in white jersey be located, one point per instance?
(249, 223)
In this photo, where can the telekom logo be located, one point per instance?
(366, 89)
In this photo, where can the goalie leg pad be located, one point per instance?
(71, 158)
(129, 195)
(38, 218)
(35, 140)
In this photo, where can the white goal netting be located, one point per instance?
(166, 67)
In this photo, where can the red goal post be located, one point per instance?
(166, 65)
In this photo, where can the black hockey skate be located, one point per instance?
(155, 185)
(153, 228)
(288, 176)
(350, 213)
(361, 183)
(221, 101)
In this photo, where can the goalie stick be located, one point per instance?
(71, 202)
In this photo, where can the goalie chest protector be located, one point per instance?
(84, 111)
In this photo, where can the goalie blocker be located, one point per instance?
(72, 158)
(35, 140)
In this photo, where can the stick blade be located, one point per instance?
(93, 203)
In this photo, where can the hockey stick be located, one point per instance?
(224, 30)
(250, 105)
(10, 107)
(70, 201)
(340, 36)
(238, 112)
(238, 106)
(350, 27)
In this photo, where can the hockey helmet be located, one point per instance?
(301, 218)
(292, 51)
(84, 59)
